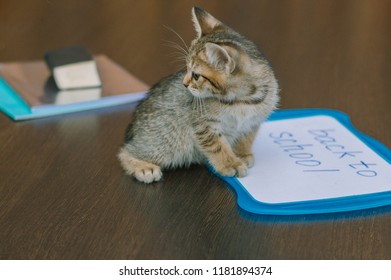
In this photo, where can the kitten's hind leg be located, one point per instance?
(143, 171)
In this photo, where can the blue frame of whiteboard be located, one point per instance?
(321, 206)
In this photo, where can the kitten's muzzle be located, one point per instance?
(186, 80)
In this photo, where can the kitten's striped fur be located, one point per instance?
(209, 112)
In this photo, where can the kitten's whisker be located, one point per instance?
(199, 105)
(177, 59)
(179, 36)
(177, 54)
(194, 102)
(180, 53)
(178, 67)
(203, 112)
(175, 46)
(180, 62)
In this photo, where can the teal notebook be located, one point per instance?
(313, 161)
(27, 90)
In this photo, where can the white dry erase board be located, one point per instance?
(313, 161)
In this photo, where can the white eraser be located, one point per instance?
(73, 68)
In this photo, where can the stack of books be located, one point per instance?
(28, 90)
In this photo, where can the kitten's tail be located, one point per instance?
(143, 171)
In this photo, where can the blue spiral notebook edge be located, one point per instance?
(17, 109)
(10, 102)
(330, 205)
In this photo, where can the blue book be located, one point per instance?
(27, 90)
(312, 161)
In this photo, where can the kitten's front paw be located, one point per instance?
(148, 173)
(238, 168)
(248, 160)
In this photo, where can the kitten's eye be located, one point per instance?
(195, 76)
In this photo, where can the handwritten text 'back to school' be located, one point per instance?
(302, 155)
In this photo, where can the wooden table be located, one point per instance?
(63, 194)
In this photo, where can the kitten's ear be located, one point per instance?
(219, 57)
(204, 23)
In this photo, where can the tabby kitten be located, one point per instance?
(209, 113)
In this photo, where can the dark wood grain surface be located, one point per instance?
(63, 194)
